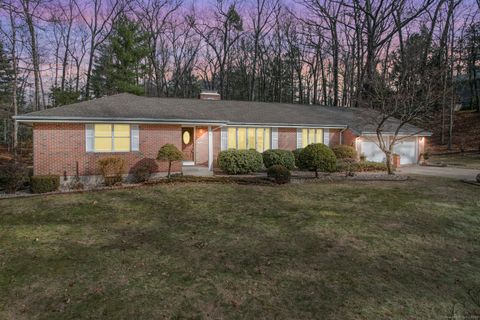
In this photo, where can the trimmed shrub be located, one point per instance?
(280, 173)
(143, 169)
(169, 153)
(240, 161)
(317, 157)
(46, 183)
(279, 157)
(111, 168)
(13, 176)
(296, 154)
(363, 166)
(343, 151)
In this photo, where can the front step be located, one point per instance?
(196, 171)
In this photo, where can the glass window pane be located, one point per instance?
(242, 138)
(232, 138)
(260, 139)
(304, 138)
(121, 144)
(251, 138)
(103, 130)
(121, 130)
(267, 139)
(103, 144)
(319, 136)
(311, 136)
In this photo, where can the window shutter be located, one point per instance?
(135, 137)
(89, 137)
(326, 137)
(223, 138)
(299, 138)
(274, 138)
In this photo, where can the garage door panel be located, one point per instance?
(372, 152)
(406, 149)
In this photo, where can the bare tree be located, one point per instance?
(220, 34)
(98, 17)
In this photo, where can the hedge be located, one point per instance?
(280, 173)
(234, 161)
(343, 151)
(296, 154)
(46, 183)
(279, 157)
(362, 166)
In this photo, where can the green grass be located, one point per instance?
(467, 160)
(363, 250)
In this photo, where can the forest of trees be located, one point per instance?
(353, 53)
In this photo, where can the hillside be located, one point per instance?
(466, 133)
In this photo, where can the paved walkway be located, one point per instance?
(447, 172)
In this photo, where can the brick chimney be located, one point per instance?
(209, 95)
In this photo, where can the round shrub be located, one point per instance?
(240, 161)
(279, 157)
(170, 153)
(280, 173)
(45, 183)
(296, 154)
(317, 157)
(342, 151)
(143, 169)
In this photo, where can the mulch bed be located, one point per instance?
(261, 178)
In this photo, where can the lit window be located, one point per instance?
(112, 138)
(310, 136)
(249, 138)
(242, 138)
(232, 138)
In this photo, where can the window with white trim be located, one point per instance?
(310, 136)
(249, 138)
(111, 138)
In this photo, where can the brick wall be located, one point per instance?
(334, 136)
(57, 148)
(287, 138)
(348, 138)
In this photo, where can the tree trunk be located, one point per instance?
(35, 58)
(14, 84)
(169, 169)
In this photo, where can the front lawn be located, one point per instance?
(343, 250)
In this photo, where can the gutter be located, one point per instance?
(40, 119)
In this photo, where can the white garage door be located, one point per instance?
(372, 152)
(406, 149)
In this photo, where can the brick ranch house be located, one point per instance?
(74, 137)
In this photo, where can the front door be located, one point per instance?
(187, 144)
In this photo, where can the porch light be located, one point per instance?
(422, 139)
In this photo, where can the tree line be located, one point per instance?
(396, 56)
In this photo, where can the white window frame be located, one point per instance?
(248, 147)
(112, 138)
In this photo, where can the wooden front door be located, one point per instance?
(187, 144)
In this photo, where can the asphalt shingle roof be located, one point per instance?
(128, 107)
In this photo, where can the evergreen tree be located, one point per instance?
(120, 65)
(6, 77)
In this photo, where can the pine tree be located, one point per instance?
(6, 77)
(120, 65)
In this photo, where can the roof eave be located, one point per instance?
(43, 119)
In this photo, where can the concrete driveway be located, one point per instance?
(447, 172)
